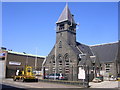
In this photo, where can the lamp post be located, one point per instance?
(36, 60)
(88, 76)
(26, 61)
(93, 69)
(43, 68)
(55, 63)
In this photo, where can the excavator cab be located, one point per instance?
(29, 71)
(26, 75)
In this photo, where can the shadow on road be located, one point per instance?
(7, 87)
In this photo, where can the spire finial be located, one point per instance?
(66, 3)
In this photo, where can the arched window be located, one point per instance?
(60, 59)
(61, 27)
(66, 57)
(67, 63)
(53, 59)
(60, 44)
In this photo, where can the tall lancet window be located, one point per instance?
(67, 62)
(60, 59)
(53, 59)
(66, 59)
(60, 63)
(60, 44)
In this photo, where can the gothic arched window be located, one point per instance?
(60, 44)
(60, 59)
(66, 57)
(53, 59)
(67, 63)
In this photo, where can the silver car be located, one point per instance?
(58, 76)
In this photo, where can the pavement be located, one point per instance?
(105, 84)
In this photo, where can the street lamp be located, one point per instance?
(55, 62)
(36, 60)
(26, 63)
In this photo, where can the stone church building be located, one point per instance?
(108, 55)
(67, 54)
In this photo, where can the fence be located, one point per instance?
(70, 75)
(70, 72)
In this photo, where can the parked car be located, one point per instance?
(58, 76)
(47, 76)
(97, 80)
(118, 78)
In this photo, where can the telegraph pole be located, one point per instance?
(36, 60)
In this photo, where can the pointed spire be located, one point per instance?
(66, 15)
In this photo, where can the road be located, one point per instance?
(9, 83)
(36, 84)
(8, 87)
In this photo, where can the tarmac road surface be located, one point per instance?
(36, 84)
(7, 87)
(7, 84)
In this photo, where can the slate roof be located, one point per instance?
(84, 48)
(66, 15)
(81, 49)
(75, 49)
(118, 56)
(106, 52)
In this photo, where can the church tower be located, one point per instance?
(66, 27)
(65, 55)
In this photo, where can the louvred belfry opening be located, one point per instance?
(66, 27)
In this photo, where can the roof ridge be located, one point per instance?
(24, 54)
(103, 44)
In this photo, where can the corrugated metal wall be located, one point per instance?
(2, 69)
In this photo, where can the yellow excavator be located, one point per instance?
(26, 75)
